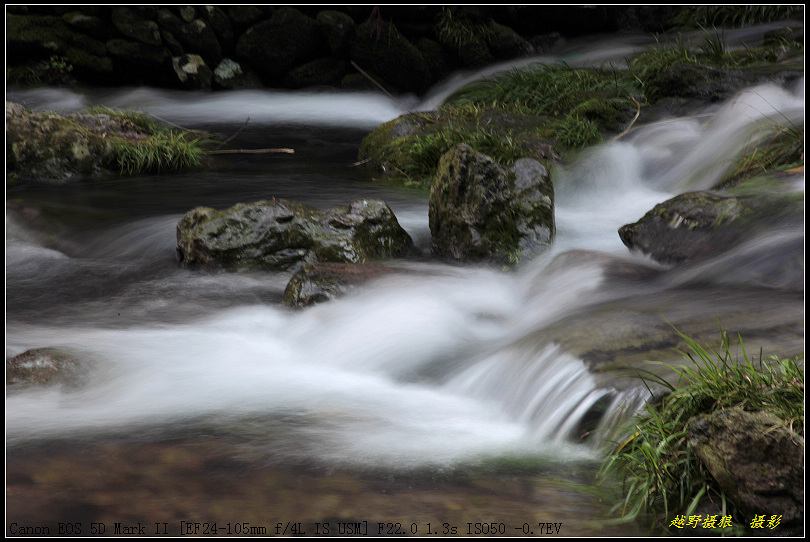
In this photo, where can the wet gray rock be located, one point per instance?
(319, 282)
(697, 226)
(283, 235)
(45, 367)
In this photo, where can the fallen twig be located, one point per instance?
(629, 129)
(378, 85)
(251, 151)
(632, 122)
(176, 125)
(239, 131)
(361, 162)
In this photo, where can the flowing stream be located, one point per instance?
(429, 371)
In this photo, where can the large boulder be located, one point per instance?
(141, 63)
(327, 71)
(196, 36)
(323, 281)
(274, 46)
(384, 51)
(696, 226)
(338, 30)
(33, 37)
(481, 210)
(283, 235)
(131, 25)
(755, 458)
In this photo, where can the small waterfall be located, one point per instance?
(550, 391)
(694, 153)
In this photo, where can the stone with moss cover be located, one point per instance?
(50, 147)
(53, 148)
(283, 235)
(480, 210)
(756, 458)
(409, 147)
(696, 226)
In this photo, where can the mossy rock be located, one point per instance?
(409, 147)
(505, 43)
(197, 37)
(52, 148)
(88, 24)
(283, 235)
(696, 226)
(482, 211)
(230, 75)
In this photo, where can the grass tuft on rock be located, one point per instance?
(778, 145)
(660, 473)
(140, 144)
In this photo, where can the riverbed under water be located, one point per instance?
(429, 400)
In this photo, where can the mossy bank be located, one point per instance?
(95, 143)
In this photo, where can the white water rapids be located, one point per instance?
(420, 369)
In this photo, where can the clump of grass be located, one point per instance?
(574, 132)
(660, 472)
(548, 90)
(169, 151)
(649, 64)
(578, 104)
(778, 145)
(459, 32)
(781, 149)
(141, 144)
(424, 152)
